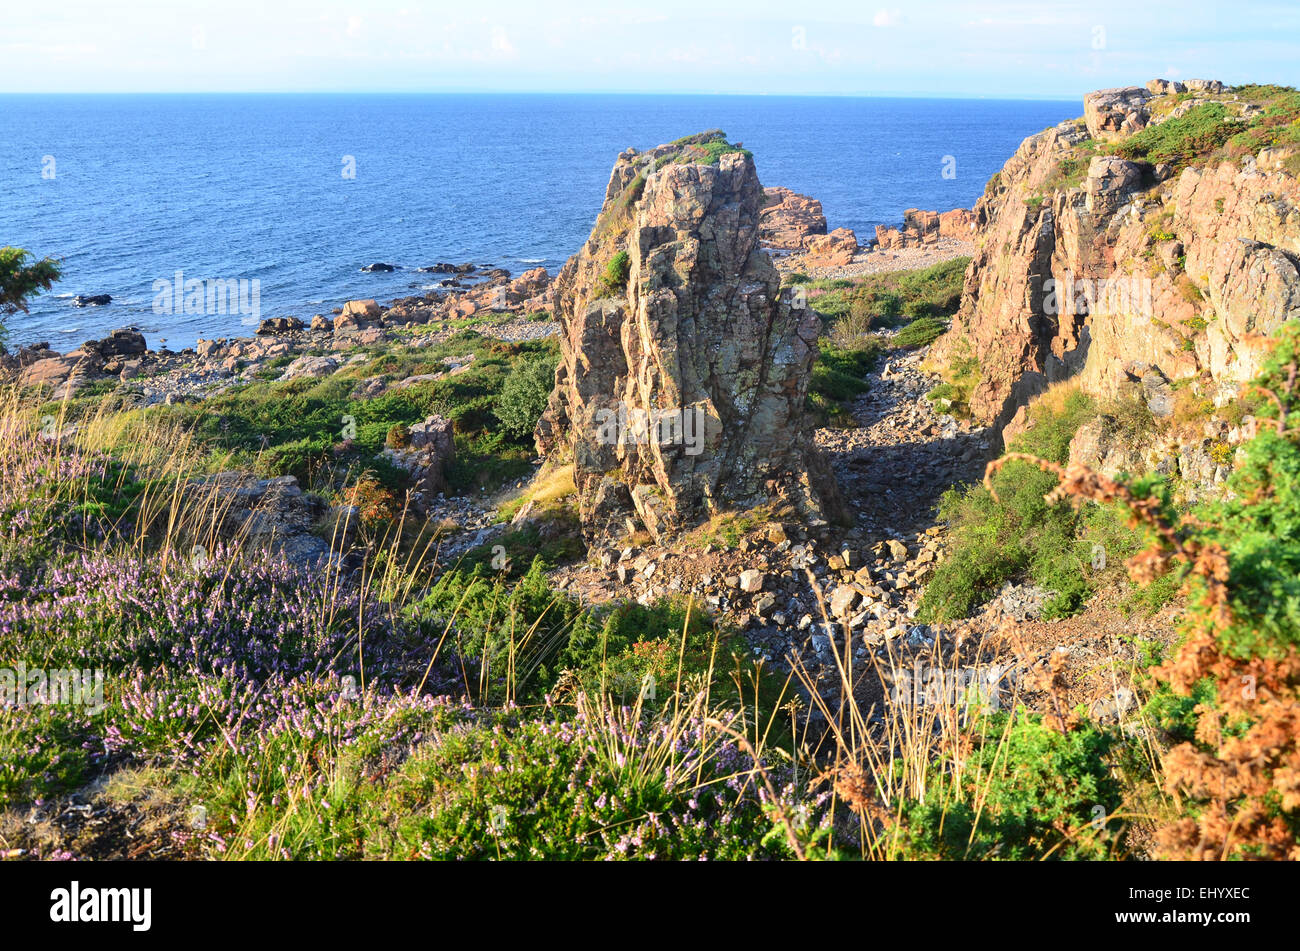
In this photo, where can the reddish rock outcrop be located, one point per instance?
(1164, 87)
(789, 220)
(357, 315)
(528, 293)
(1133, 271)
(924, 228)
(832, 250)
(684, 374)
(41, 365)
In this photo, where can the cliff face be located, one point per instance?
(683, 380)
(1107, 255)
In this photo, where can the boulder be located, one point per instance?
(530, 283)
(357, 315)
(922, 228)
(279, 325)
(52, 370)
(127, 342)
(1112, 114)
(274, 513)
(365, 337)
(378, 267)
(91, 300)
(959, 223)
(832, 250)
(310, 367)
(1165, 87)
(843, 600)
(1110, 182)
(369, 388)
(430, 449)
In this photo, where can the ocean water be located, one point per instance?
(128, 190)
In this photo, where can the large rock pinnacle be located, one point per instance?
(683, 381)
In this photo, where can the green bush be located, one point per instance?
(524, 395)
(893, 296)
(614, 279)
(854, 324)
(316, 429)
(1018, 535)
(522, 626)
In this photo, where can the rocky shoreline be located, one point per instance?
(876, 260)
(508, 309)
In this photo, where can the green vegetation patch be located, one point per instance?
(1025, 792)
(1182, 141)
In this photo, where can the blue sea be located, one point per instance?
(128, 190)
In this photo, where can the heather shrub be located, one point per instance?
(603, 785)
(46, 750)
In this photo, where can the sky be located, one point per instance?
(829, 47)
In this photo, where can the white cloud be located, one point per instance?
(501, 43)
(354, 26)
(887, 18)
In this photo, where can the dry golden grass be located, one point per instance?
(551, 485)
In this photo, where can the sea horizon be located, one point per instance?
(501, 180)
